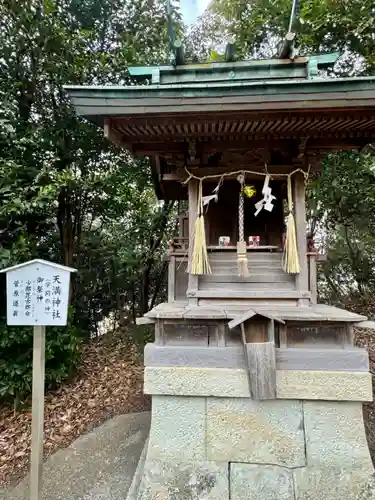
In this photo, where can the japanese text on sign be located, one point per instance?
(37, 295)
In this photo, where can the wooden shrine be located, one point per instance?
(250, 376)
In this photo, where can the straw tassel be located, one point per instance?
(200, 264)
(242, 262)
(291, 263)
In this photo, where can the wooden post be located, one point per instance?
(172, 279)
(159, 332)
(348, 336)
(193, 200)
(302, 279)
(262, 366)
(37, 426)
(313, 278)
(283, 336)
(220, 334)
(271, 330)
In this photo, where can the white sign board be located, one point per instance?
(38, 294)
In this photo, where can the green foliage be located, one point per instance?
(67, 194)
(62, 355)
(341, 200)
(142, 335)
(258, 26)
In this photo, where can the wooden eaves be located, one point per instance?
(275, 111)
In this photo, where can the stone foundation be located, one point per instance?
(210, 441)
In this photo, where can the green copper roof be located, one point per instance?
(301, 67)
(96, 103)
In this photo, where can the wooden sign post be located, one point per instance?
(38, 296)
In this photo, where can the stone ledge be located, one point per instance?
(202, 382)
(329, 386)
(290, 384)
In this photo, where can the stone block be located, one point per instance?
(335, 435)
(230, 382)
(186, 381)
(260, 482)
(258, 432)
(324, 385)
(312, 483)
(167, 480)
(177, 428)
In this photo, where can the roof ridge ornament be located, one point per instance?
(287, 49)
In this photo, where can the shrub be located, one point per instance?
(16, 350)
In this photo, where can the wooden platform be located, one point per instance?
(317, 312)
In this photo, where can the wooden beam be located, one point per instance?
(322, 359)
(262, 366)
(243, 115)
(250, 314)
(302, 279)
(225, 293)
(151, 145)
(115, 136)
(180, 174)
(239, 320)
(144, 321)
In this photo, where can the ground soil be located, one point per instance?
(366, 338)
(108, 383)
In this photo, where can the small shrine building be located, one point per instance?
(257, 389)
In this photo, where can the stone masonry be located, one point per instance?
(220, 448)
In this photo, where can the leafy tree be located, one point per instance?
(340, 204)
(67, 194)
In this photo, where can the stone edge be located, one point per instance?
(290, 384)
(137, 478)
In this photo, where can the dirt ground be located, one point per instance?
(108, 383)
(366, 338)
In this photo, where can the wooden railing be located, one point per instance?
(312, 258)
(179, 245)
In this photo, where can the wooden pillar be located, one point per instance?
(348, 336)
(313, 278)
(271, 330)
(193, 200)
(37, 409)
(283, 339)
(302, 279)
(172, 279)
